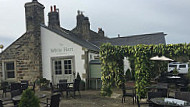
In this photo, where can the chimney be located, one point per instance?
(34, 15)
(100, 32)
(53, 17)
(51, 8)
(54, 8)
(80, 18)
(86, 28)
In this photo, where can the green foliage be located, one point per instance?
(43, 83)
(139, 56)
(188, 74)
(175, 71)
(28, 99)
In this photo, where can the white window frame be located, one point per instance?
(5, 76)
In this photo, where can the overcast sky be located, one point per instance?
(124, 17)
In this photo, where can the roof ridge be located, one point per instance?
(146, 34)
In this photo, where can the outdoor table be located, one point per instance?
(17, 98)
(157, 86)
(174, 77)
(169, 102)
(69, 85)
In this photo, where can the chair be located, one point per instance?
(154, 95)
(128, 94)
(2, 103)
(63, 81)
(53, 89)
(34, 86)
(62, 87)
(24, 84)
(15, 93)
(16, 86)
(183, 96)
(5, 87)
(75, 87)
(55, 100)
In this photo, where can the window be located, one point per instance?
(58, 68)
(10, 69)
(67, 65)
(173, 66)
(182, 66)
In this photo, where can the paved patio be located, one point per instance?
(91, 98)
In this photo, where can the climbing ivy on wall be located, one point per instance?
(112, 63)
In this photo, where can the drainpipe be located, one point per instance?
(87, 69)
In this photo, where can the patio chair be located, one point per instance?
(24, 84)
(128, 94)
(53, 89)
(140, 103)
(34, 86)
(54, 101)
(75, 88)
(2, 103)
(63, 81)
(5, 87)
(62, 87)
(183, 96)
(16, 86)
(154, 95)
(15, 93)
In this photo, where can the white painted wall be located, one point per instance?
(54, 45)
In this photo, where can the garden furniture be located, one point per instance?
(15, 93)
(183, 96)
(2, 103)
(169, 102)
(132, 93)
(62, 87)
(53, 89)
(75, 87)
(63, 81)
(24, 84)
(5, 87)
(140, 103)
(54, 101)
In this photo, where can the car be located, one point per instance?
(181, 67)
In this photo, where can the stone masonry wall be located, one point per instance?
(26, 52)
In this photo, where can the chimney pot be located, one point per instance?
(51, 8)
(54, 8)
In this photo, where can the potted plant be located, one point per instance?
(44, 84)
(28, 99)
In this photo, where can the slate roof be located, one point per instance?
(152, 38)
(71, 36)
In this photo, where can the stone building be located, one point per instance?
(22, 59)
(56, 53)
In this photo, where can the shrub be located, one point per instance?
(28, 99)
